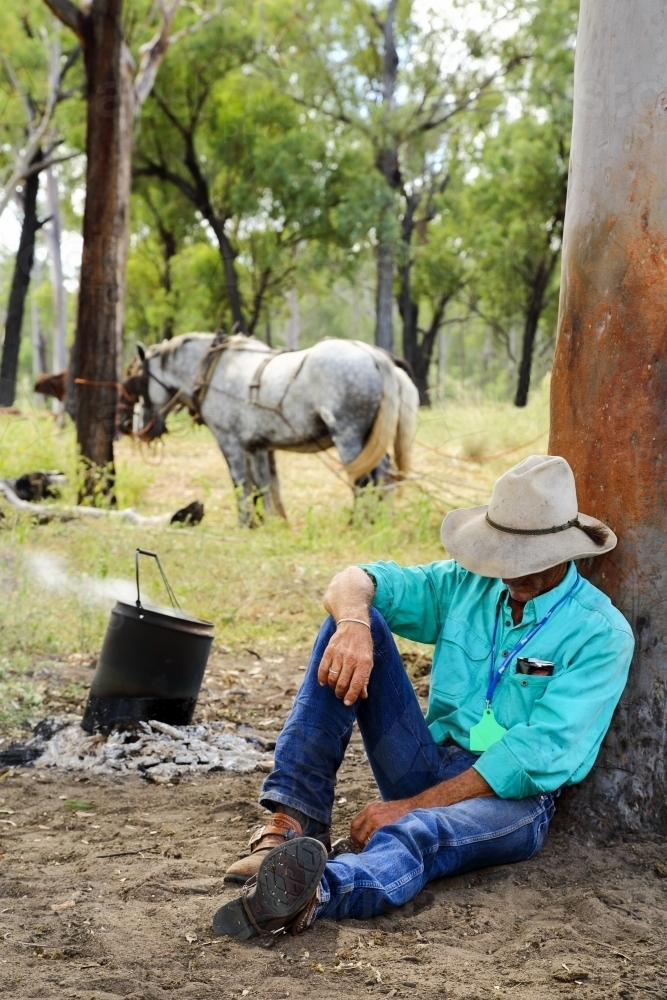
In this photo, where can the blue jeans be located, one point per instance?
(401, 858)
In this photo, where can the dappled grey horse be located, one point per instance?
(255, 400)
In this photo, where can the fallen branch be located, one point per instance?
(192, 514)
(125, 854)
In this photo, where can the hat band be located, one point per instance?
(536, 531)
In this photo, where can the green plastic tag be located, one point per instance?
(486, 732)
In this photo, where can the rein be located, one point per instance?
(123, 391)
(111, 385)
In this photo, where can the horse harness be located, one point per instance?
(209, 363)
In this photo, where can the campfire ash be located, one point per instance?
(156, 751)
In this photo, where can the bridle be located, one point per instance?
(137, 387)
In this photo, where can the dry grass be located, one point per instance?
(262, 588)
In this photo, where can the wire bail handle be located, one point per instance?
(154, 555)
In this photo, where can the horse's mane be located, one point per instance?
(168, 348)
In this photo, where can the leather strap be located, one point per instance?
(250, 884)
(254, 386)
(280, 825)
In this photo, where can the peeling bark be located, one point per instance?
(610, 380)
(95, 351)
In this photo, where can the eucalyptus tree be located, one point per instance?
(163, 224)
(403, 82)
(265, 181)
(33, 88)
(608, 388)
(516, 199)
(115, 89)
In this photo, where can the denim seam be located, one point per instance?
(494, 834)
(351, 886)
(415, 873)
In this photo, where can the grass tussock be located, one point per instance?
(262, 588)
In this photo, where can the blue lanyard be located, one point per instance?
(497, 674)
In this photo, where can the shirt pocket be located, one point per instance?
(462, 659)
(525, 689)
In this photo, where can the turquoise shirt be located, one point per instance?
(555, 725)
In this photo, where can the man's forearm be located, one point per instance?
(468, 785)
(349, 595)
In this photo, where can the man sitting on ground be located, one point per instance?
(530, 661)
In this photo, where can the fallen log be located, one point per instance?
(191, 515)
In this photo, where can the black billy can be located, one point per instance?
(151, 665)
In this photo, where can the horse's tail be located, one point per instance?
(384, 429)
(406, 427)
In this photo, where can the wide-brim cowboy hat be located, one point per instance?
(531, 523)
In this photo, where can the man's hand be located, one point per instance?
(348, 659)
(375, 815)
(468, 785)
(347, 662)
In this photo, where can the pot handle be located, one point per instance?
(154, 555)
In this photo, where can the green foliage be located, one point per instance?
(280, 106)
(279, 188)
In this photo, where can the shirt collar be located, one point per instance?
(538, 607)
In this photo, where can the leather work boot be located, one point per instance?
(282, 895)
(280, 828)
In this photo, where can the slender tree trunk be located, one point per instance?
(294, 321)
(424, 351)
(610, 378)
(532, 319)
(408, 308)
(25, 256)
(39, 360)
(384, 298)
(443, 351)
(54, 237)
(169, 249)
(228, 257)
(95, 351)
(387, 164)
(127, 111)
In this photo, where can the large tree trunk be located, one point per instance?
(95, 351)
(25, 256)
(610, 377)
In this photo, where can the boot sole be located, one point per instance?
(286, 880)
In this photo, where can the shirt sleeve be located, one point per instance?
(413, 600)
(559, 743)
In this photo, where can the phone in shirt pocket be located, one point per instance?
(535, 668)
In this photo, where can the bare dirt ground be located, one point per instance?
(115, 900)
